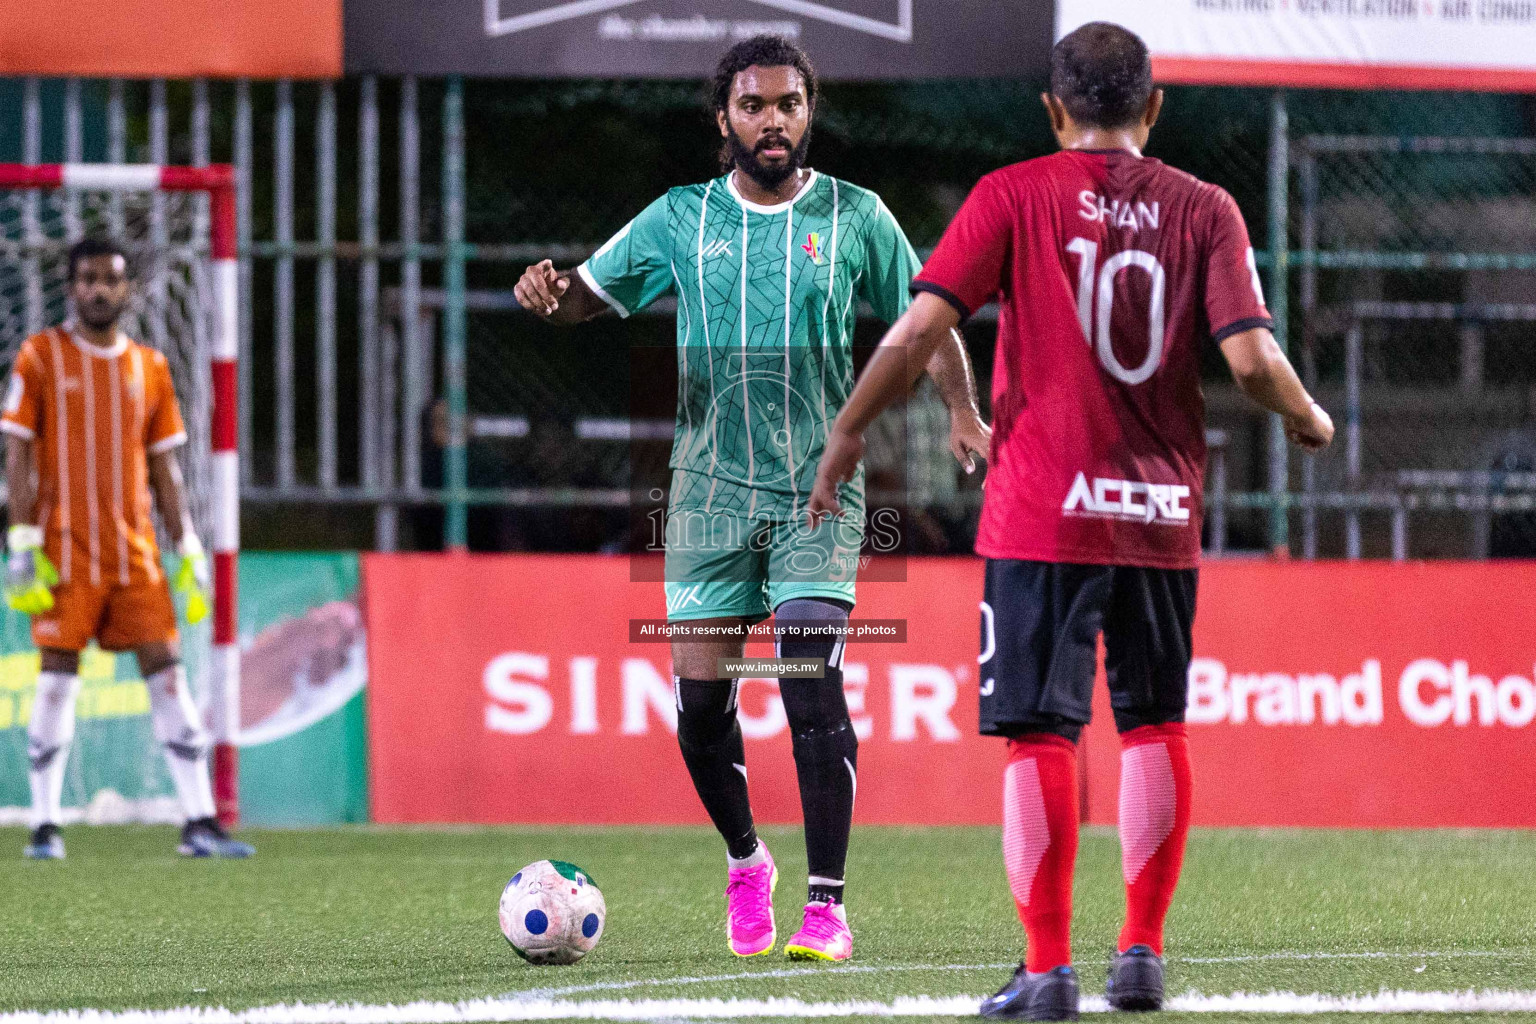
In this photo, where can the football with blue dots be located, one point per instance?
(552, 913)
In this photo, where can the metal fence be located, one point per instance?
(395, 396)
(1416, 283)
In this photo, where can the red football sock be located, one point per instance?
(1154, 823)
(1040, 843)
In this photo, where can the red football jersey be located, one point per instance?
(1112, 269)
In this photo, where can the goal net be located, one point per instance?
(175, 224)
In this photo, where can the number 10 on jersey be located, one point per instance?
(1096, 300)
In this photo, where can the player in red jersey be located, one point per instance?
(1112, 271)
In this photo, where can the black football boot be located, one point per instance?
(1049, 995)
(1136, 980)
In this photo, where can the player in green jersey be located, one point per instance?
(768, 265)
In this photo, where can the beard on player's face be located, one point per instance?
(99, 311)
(748, 160)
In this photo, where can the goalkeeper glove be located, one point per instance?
(192, 576)
(28, 573)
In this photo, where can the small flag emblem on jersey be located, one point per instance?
(812, 247)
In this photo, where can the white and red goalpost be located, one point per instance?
(219, 310)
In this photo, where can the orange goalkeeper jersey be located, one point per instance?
(95, 416)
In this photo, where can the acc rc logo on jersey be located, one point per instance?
(1127, 499)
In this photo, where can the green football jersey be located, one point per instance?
(767, 297)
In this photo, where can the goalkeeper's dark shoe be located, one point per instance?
(205, 837)
(45, 843)
(1136, 980)
(1049, 995)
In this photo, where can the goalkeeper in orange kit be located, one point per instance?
(92, 429)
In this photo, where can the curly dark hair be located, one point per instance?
(88, 247)
(1102, 73)
(763, 51)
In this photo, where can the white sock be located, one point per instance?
(752, 860)
(49, 736)
(179, 728)
(193, 787)
(47, 793)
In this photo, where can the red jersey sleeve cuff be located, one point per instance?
(12, 427)
(944, 293)
(1239, 326)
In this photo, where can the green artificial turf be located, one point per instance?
(389, 915)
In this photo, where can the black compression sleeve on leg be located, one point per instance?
(710, 738)
(826, 749)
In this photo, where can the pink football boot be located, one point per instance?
(749, 907)
(823, 936)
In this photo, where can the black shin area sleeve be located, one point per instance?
(826, 749)
(710, 738)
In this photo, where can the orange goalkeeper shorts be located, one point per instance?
(118, 618)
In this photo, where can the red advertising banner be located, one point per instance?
(506, 689)
(172, 38)
(509, 689)
(1356, 694)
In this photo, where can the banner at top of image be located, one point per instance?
(848, 39)
(1482, 45)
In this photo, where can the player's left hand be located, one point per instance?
(969, 438)
(839, 461)
(192, 577)
(1312, 432)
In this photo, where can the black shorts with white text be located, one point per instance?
(1040, 624)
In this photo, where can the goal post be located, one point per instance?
(187, 306)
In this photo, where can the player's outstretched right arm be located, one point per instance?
(1266, 376)
(560, 297)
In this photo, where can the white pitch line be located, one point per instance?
(539, 1004)
(794, 972)
(1486, 1000)
(495, 1011)
(785, 972)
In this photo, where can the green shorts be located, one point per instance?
(724, 565)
